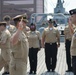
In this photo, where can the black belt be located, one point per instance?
(51, 43)
(68, 40)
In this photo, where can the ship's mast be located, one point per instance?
(59, 7)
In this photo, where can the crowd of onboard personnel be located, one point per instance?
(19, 41)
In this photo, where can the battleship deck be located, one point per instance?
(61, 63)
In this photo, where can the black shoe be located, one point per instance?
(34, 72)
(69, 70)
(53, 70)
(48, 70)
(30, 72)
(5, 73)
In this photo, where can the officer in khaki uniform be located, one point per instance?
(9, 26)
(73, 43)
(68, 38)
(5, 47)
(51, 40)
(19, 49)
(34, 46)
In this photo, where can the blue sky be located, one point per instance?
(68, 4)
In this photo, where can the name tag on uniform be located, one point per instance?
(51, 28)
(33, 32)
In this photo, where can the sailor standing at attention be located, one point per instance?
(51, 42)
(19, 49)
